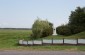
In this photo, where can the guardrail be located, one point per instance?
(53, 42)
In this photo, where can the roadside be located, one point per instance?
(40, 53)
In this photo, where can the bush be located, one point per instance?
(41, 29)
(63, 30)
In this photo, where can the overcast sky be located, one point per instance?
(23, 13)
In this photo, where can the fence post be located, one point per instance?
(19, 42)
(63, 41)
(33, 41)
(42, 41)
(77, 41)
(27, 42)
(52, 41)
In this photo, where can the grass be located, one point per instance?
(9, 40)
(46, 48)
(79, 35)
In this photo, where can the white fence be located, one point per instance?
(53, 42)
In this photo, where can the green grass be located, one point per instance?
(46, 48)
(79, 35)
(9, 40)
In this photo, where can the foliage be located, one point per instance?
(41, 28)
(63, 30)
(76, 23)
(77, 20)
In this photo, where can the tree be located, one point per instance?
(76, 23)
(41, 28)
(77, 20)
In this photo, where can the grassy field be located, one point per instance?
(9, 40)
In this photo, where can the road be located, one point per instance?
(40, 53)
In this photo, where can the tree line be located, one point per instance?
(17, 28)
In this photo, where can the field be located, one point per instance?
(9, 40)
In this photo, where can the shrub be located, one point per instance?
(63, 30)
(76, 29)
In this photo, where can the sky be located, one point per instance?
(23, 13)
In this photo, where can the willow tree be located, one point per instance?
(41, 28)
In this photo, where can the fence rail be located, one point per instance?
(53, 42)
